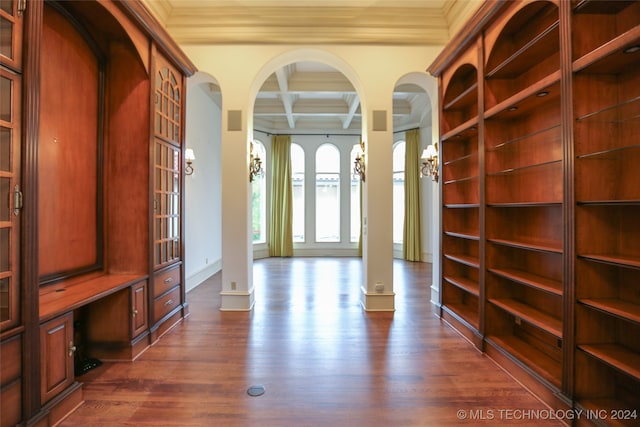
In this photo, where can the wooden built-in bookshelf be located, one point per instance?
(541, 196)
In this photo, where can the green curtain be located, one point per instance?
(281, 222)
(412, 247)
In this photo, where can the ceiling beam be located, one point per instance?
(354, 103)
(282, 77)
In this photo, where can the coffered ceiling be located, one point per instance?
(313, 96)
(307, 96)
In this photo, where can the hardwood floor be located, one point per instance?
(322, 360)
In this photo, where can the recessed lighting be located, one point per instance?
(542, 93)
(632, 49)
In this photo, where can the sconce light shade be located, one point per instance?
(429, 152)
(358, 163)
(189, 157)
(430, 162)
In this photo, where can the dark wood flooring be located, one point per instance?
(322, 360)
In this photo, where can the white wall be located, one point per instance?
(203, 215)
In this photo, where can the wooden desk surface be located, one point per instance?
(66, 296)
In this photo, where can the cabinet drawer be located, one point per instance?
(166, 303)
(11, 404)
(165, 280)
(10, 359)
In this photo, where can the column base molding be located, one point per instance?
(237, 301)
(372, 301)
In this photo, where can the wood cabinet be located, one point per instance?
(115, 327)
(168, 295)
(139, 313)
(540, 157)
(11, 331)
(78, 185)
(11, 381)
(57, 348)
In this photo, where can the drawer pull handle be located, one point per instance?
(168, 280)
(169, 302)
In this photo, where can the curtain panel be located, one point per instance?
(281, 221)
(412, 232)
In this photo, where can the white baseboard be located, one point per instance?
(200, 276)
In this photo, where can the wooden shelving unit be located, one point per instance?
(606, 92)
(541, 196)
(524, 188)
(461, 198)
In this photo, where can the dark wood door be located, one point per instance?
(139, 308)
(56, 353)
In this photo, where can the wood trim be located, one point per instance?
(29, 260)
(467, 35)
(482, 210)
(568, 211)
(139, 13)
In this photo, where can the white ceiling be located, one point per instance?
(309, 96)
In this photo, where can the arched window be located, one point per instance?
(259, 197)
(398, 192)
(297, 178)
(327, 193)
(354, 215)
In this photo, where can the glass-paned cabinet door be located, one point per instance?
(11, 12)
(10, 196)
(168, 91)
(166, 204)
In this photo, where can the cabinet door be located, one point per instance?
(11, 13)
(166, 205)
(168, 102)
(10, 381)
(57, 351)
(138, 308)
(167, 161)
(11, 197)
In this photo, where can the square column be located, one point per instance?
(237, 252)
(377, 207)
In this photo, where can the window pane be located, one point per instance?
(328, 207)
(398, 157)
(259, 197)
(297, 172)
(398, 192)
(327, 159)
(327, 193)
(354, 214)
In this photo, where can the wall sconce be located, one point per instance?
(255, 164)
(430, 162)
(358, 163)
(189, 157)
